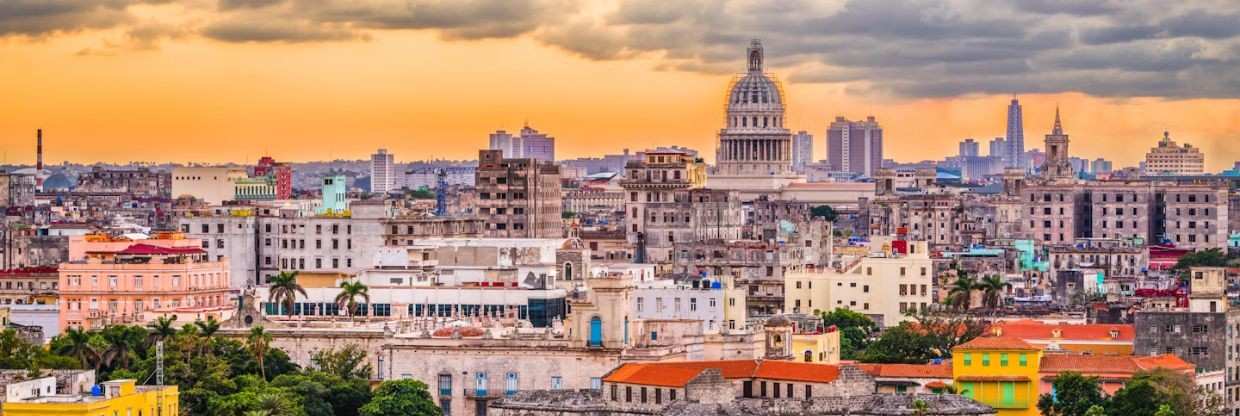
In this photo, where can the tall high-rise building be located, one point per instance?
(529, 144)
(382, 171)
(998, 149)
(507, 143)
(537, 145)
(1100, 166)
(1169, 158)
(280, 173)
(855, 146)
(1015, 136)
(1057, 165)
(802, 150)
(970, 148)
(519, 198)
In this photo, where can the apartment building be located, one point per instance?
(895, 278)
(519, 198)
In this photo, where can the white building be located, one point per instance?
(666, 300)
(382, 172)
(213, 185)
(1169, 158)
(802, 150)
(895, 278)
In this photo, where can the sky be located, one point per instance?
(232, 80)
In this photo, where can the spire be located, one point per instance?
(755, 56)
(1058, 129)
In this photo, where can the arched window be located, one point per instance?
(568, 271)
(809, 356)
(510, 383)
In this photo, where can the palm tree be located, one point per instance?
(78, 345)
(118, 346)
(260, 342)
(161, 328)
(992, 288)
(349, 292)
(207, 328)
(284, 289)
(961, 291)
(187, 339)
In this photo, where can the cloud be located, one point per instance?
(913, 48)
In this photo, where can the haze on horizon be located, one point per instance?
(231, 80)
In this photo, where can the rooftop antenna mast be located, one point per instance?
(159, 378)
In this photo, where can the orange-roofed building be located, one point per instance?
(651, 385)
(1112, 371)
(1096, 339)
(910, 378)
(1001, 372)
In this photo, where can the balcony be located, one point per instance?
(482, 394)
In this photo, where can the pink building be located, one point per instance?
(116, 281)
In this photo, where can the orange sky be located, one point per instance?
(195, 99)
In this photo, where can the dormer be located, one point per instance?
(1114, 333)
(1056, 333)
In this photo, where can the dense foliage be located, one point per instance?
(217, 375)
(1157, 392)
(926, 337)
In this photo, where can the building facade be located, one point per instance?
(382, 172)
(855, 146)
(1170, 158)
(519, 198)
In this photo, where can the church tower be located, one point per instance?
(1057, 165)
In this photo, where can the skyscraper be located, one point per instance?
(802, 150)
(382, 171)
(998, 149)
(969, 148)
(1015, 135)
(855, 146)
(530, 144)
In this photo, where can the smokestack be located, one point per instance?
(39, 162)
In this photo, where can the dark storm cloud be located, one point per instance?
(918, 48)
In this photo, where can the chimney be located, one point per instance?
(39, 151)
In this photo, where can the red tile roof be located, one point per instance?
(1100, 365)
(943, 371)
(148, 250)
(996, 343)
(678, 374)
(1029, 329)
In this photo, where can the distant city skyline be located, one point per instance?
(202, 88)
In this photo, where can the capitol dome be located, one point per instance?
(755, 100)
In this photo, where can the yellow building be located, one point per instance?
(822, 347)
(1001, 372)
(116, 397)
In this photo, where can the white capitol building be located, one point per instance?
(754, 153)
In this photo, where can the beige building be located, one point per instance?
(519, 198)
(212, 185)
(894, 279)
(665, 204)
(1170, 158)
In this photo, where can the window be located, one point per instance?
(1024, 360)
(556, 383)
(1003, 359)
(967, 359)
(510, 382)
(985, 359)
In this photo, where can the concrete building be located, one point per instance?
(280, 174)
(1201, 334)
(802, 150)
(212, 185)
(855, 146)
(997, 148)
(383, 176)
(1015, 139)
(334, 196)
(529, 144)
(117, 397)
(29, 286)
(519, 198)
(665, 203)
(969, 148)
(894, 279)
(1170, 158)
(136, 182)
(117, 281)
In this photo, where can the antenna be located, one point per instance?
(159, 378)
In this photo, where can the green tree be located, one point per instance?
(1075, 395)
(162, 328)
(1202, 258)
(1164, 410)
(900, 344)
(259, 342)
(992, 288)
(825, 212)
(1096, 410)
(76, 342)
(349, 292)
(345, 362)
(401, 397)
(856, 330)
(1137, 398)
(422, 193)
(283, 290)
(960, 294)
